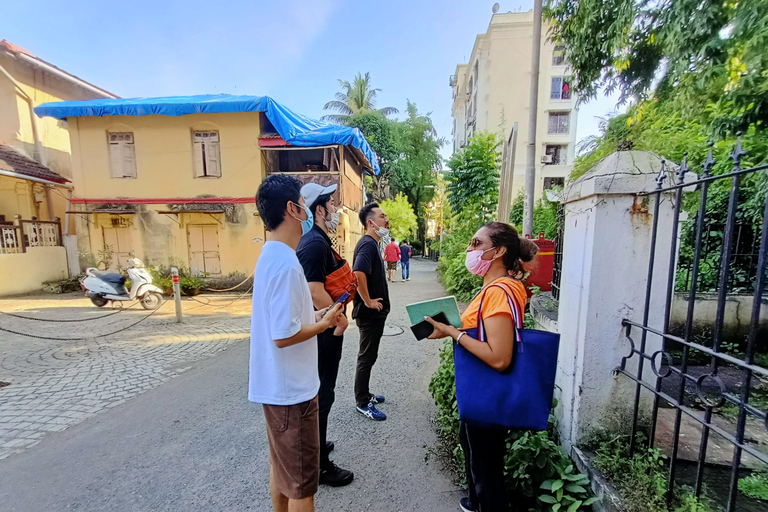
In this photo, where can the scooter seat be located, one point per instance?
(118, 279)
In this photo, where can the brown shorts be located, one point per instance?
(294, 447)
(392, 265)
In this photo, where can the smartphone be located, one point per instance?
(425, 329)
(341, 300)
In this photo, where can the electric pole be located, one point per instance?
(530, 164)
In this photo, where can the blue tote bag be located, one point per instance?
(520, 397)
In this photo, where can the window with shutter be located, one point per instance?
(122, 155)
(206, 154)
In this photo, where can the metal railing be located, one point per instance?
(11, 241)
(744, 257)
(29, 233)
(557, 265)
(39, 233)
(686, 384)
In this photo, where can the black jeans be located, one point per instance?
(484, 450)
(328, 357)
(371, 331)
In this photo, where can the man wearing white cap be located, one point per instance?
(329, 277)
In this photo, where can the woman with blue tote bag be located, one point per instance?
(499, 381)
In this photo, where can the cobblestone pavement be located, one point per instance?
(56, 384)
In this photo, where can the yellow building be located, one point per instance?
(491, 93)
(27, 81)
(172, 181)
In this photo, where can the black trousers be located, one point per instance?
(484, 450)
(371, 331)
(328, 357)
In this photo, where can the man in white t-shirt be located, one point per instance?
(283, 363)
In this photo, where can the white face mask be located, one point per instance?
(332, 224)
(381, 232)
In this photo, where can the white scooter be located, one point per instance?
(102, 287)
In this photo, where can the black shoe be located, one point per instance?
(334, 476)
(466, 505)
(329, 446)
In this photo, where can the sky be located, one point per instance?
(292, 50)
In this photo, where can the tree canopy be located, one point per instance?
(714, 49)
(474, 177)
(402, 220)
(356, 97)
(416, 176)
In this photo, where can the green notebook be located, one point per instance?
(447, 305)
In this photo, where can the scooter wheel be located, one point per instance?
(151, 300)
(99, 301)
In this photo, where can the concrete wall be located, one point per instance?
(26, 272)
(738, 315)
(503, 57)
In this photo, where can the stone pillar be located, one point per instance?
(606, 248)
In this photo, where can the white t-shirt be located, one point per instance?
(282, 303)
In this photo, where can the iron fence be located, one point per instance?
(557, 265)
(743, 262)
(701, 393)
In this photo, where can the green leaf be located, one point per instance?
(560, 494)
(575, 488)
(574, 507)
(546, 498)
(557, 484)
(547, 485)
(556, 507)
(589, 501)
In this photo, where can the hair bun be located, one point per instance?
(528, 249)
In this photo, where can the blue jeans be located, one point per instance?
(406, 266)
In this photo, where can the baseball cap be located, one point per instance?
(311, 191)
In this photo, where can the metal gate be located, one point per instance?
(688, 385)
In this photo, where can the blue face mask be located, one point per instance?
(306, 225)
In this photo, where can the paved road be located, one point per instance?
(195, 443)
(55, 384)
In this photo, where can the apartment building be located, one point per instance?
(491, 92)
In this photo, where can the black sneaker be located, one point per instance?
(466, 505)
(329, 446)
(334, 476)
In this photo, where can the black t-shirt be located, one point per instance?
(316, 256)
(368, 260)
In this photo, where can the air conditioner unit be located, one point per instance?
(547, 159)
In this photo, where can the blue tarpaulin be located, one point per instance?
(296, 129)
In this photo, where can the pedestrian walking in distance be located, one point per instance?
(405, 259)
(391, 256)
(283, 361)
(371, 306)
(329, 277)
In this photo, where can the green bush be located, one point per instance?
(189, 284)
(641, 480)
(755, 485)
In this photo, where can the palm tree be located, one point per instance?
(357, 97)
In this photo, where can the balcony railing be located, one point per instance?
(15, 239)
